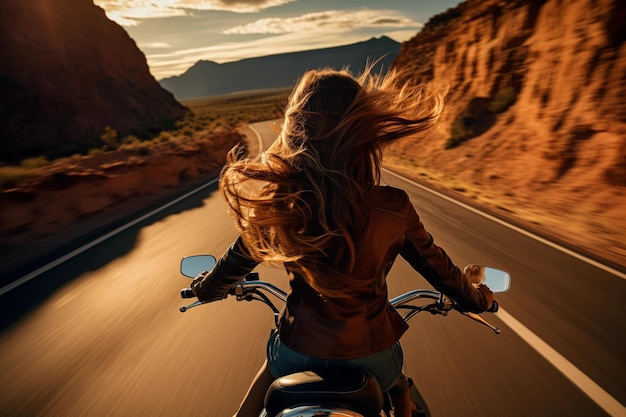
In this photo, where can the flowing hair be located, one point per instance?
(305, 201)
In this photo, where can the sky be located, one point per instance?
(175, 34)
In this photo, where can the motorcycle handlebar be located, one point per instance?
(187, 293)
(494, 307)
(440, 305)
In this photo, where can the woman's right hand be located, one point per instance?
(205, 291)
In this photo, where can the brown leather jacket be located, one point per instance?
(345, 328)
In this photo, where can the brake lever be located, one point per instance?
(481, 320)
(237, 291)
(192, 305)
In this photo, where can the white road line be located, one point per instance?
(95, 242)
(590, 261)
(583, 382)
(102, 238)
(258, 137)
(602, 398)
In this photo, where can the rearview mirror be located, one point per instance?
(496, 279)
(191, 266)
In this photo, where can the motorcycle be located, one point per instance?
(340, 392)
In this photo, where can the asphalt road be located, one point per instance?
(101, 334)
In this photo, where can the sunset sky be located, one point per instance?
(174, 34)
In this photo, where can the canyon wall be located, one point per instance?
(535, 115)
(66, 73)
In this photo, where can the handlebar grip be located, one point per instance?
(494, 307)
(186, 293)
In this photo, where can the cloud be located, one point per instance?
(242, 6)
(132, 12)
(327, 21)
(155, 45)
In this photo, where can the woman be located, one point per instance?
(313, 204)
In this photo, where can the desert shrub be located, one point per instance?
(67, 159)
(210, 116)
(95, 151)
(35, 162)
(130, 139)
(109, 139)
(11, 176)
(463, 128)
(143, 148)
(134, 144)
(227, 112)
(133, 160)
(480, 116)
(163, 137)
(503, 100)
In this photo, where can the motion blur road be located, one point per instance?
(105, 337)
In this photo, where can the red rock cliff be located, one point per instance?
(559, 144)
(67, 72)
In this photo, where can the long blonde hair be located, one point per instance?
(304, 202)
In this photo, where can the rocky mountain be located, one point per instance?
(536, 117)
(66, 73)
(207, 78)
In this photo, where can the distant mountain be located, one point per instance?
(66, 73)
(207, 78)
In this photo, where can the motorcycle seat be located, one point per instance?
(339, 387)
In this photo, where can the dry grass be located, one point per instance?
(542, 213)
(209, 117)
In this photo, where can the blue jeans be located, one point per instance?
(385, 366)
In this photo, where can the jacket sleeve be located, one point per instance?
(432, 262)
(230, 270)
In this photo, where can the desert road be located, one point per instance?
(105, 337)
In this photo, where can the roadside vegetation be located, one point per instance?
(480, 116)
(208, 118)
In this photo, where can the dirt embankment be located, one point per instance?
(535, 121)
(68, 201)
(75, 197)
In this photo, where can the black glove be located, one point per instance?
(208, 291)
(228, 272)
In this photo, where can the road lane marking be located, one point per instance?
(576, 255)
(258, 137)
(577, 377)
(602, 398)
(598, 395)
(97, 241)
(102, 238)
